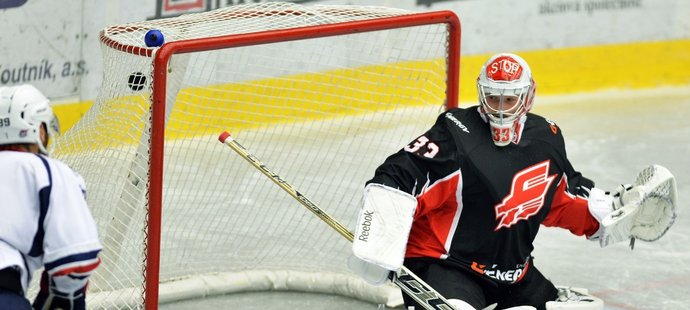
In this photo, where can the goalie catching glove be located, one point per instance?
(383, 226)
(644, 210)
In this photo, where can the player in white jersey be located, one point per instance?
(44, 219)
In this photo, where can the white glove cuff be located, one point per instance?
(600, 205)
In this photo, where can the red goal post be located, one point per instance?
(152, 134)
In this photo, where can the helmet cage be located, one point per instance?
(499, 114)
(505, 76)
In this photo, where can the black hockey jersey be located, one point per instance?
(479, 206)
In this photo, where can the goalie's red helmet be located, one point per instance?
(506, 92)
(23, 110)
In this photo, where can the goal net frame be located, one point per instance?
(162, 56)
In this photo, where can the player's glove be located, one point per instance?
(370, 272)
(644, 210)
(383, 226)
(49, 297)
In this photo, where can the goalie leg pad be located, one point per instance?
(572, 298)
(383, 227)
(461, 304)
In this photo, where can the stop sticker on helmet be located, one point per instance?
(504, 68)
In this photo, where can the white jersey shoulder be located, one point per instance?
(45, 214)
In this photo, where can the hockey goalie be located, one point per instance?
(461, 205)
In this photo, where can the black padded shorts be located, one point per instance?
(457, 283)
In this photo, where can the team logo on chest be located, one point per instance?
(527, 195)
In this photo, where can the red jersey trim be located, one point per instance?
(570, 212)
(439, 207)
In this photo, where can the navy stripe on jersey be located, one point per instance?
(80, 257)
(44, 202)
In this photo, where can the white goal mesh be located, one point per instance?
(321, 94)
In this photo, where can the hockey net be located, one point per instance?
(321, 93)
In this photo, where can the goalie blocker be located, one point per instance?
(644, 210)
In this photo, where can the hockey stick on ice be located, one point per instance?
(408, 282)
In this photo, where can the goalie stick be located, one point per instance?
(408, 282)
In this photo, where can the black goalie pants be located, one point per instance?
(457, 283)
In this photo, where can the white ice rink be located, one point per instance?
(610, 136)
